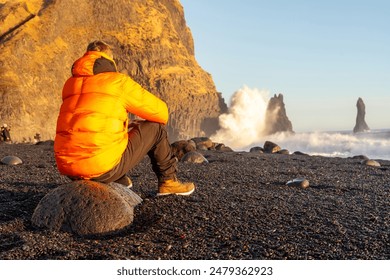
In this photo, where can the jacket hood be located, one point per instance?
(93, 63)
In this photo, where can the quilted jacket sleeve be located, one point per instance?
(144, 104)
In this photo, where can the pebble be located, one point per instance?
(194, 157)
(271, 148)
(283, 152)
(299, 153)
(371, 162)
(298, 182)
(362, 157)
(257, 149)
(201, 147)
(11, 160)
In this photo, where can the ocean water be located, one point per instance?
(243, 127)
(374, 144)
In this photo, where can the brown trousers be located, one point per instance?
(145, 138)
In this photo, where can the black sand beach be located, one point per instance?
(241, 209)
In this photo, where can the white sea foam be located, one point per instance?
(244, 123)
(375, 145)
(242, 128)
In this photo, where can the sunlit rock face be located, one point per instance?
(40, 40)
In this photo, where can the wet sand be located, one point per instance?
(241, 209)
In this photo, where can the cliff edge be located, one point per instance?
(39, 41)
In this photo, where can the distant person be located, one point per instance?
(5, 133)
(37, 137)
(94, 140)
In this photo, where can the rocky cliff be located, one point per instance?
(361, 124)
(276, 119)
(40, 39)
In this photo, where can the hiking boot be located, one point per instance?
(125, 181)
(173, 186)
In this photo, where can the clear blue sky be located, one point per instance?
(322, 55)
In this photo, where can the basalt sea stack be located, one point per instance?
(276, 119)
(361, 124)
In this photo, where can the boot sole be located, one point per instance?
(185, 193)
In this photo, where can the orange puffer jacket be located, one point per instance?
(91, 133)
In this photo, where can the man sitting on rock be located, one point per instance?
(93, 138)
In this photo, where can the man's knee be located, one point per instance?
(155, 128)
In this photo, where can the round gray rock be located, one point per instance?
(11, 160)
(203, 142)
(299, 182)
(194, 157)
(181, 147)
(362, 157)
(86, 207)
(271, 147)
(299, 153)
(283, 152)
(371, 162)
(256, 149)
(221, 147)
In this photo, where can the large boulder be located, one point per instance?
(361, 124)
(86, 208)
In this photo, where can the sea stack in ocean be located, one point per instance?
(361, 124)
(276, 119)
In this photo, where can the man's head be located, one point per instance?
(100, 46)
(102, 64)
